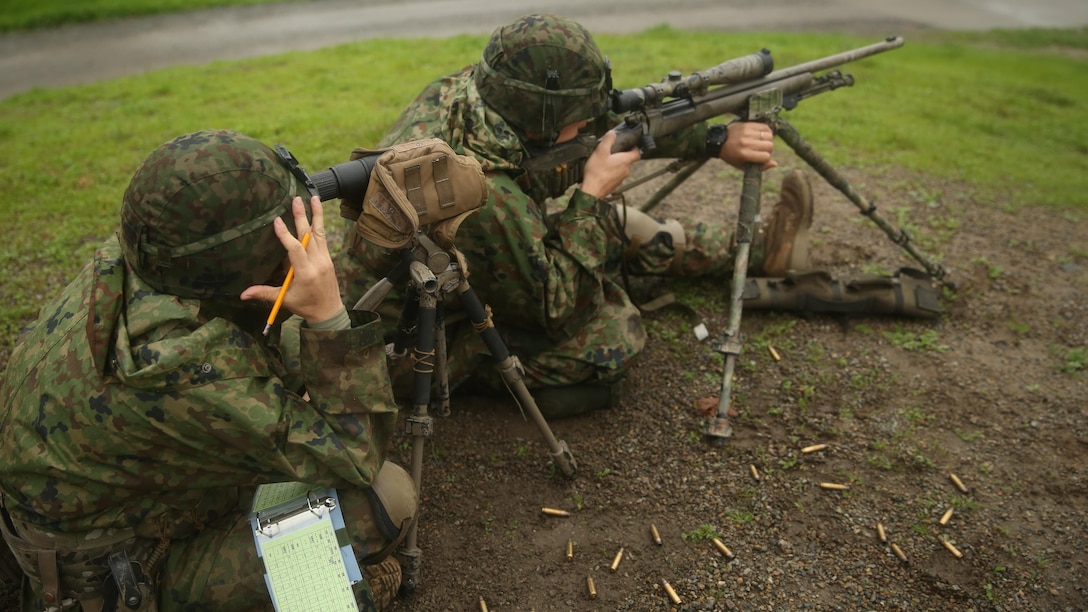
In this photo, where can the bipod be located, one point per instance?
(718, 428)
(428, 285)
(793, 138)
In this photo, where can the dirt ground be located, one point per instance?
(991, 394)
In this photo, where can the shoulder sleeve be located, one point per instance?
(538, 270)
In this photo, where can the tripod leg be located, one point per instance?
(442, 375)
(419, 425)
(509, 370)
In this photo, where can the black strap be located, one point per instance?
(126, 580)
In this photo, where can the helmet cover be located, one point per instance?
(542, 73)
(196, 219)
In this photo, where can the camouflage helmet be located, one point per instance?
(542, 73)
(196, 220)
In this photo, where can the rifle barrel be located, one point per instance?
(831, 61)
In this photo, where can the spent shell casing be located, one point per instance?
(956, 481)
(880, 532)
(754, 471)
(591, 587)
(898, 552)
(813, 448)
(947, 515)
(834, 486)
(616, 561)
(672, 594)
(722, 548)
(554, 512)
(653, 533)
(774, 353)
(483, 604)
(952, 549)
(570, 550)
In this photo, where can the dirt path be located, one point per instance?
(88, 53)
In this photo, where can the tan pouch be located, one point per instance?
(413, 185)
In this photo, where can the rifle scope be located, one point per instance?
(738, 70)
(347, 180)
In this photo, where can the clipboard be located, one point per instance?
(304, 547)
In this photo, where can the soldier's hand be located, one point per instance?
(748, 142)
(605, 170)
(314, 293)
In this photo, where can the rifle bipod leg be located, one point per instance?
(509, 369)
(804, 150)
(718, 429)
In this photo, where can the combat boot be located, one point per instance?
(785, 233)
(384, 580)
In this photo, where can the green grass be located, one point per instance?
(1017, 136)
(33, 14)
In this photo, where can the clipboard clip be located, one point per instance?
(316, 505)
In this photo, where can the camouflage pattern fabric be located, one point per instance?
(129, 410)
(551, 280)
(196, 219)
(543, 72)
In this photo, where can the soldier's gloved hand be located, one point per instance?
(748, 142)
(314, 293)
(605, 170)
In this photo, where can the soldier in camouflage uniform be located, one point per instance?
(550, 278)
(143, 408)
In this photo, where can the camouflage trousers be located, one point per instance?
(216, 569)
(604, 347)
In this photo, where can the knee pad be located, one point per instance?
(640, 229)
(395, 502)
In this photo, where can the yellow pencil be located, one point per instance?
(283, 290)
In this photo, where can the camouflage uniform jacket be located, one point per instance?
(543, 274)
(125, 408)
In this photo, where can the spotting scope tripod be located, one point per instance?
(431, 275)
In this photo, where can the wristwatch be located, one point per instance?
(715, 138)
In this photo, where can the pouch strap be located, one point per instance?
(47, 565)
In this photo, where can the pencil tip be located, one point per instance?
(267, 328)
